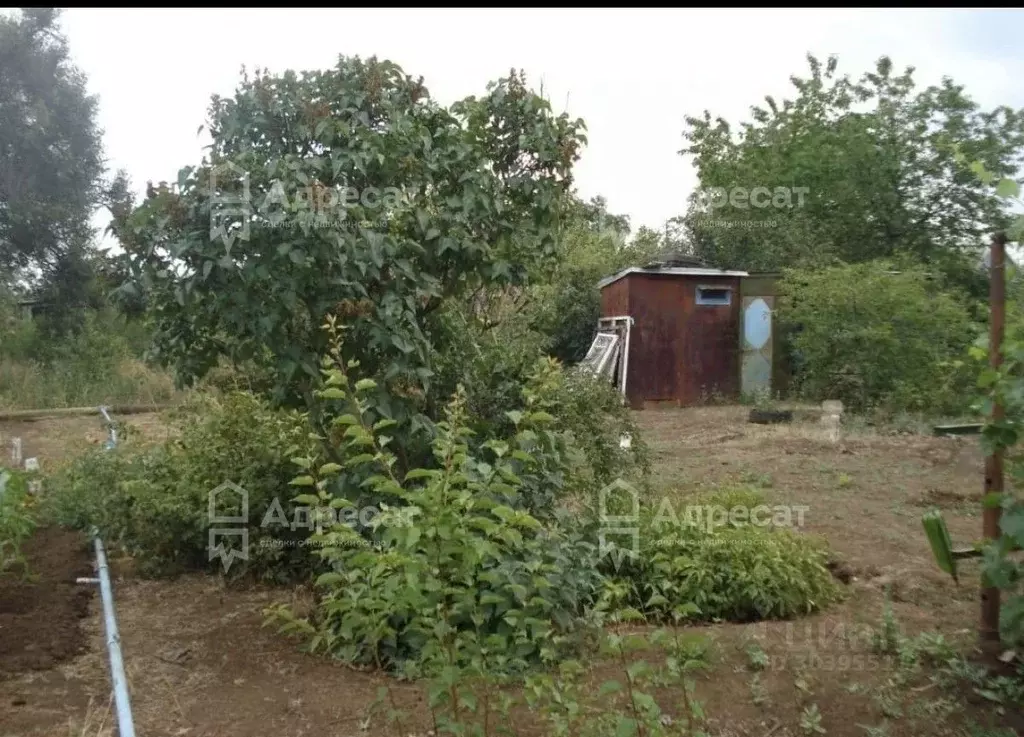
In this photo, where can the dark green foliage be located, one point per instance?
(17, 519)
(153, 501)
(473, 561)
(566, 302)
(454, 572)
(884, 169)
(446, 200)
(50, 161)
(490, 350)
(493, 365)
(870, 337)
(591, 412)
(729, 569)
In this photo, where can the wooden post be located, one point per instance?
(989, 629)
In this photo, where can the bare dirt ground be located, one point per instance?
(201, 664)
(39, 614)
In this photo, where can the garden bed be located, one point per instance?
(39, 616)
(201, 663)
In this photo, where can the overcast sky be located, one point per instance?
(632, 75)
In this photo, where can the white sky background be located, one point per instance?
(632, 75)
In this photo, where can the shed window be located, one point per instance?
(714, 296)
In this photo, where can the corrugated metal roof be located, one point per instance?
(670, 271)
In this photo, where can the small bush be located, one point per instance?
(491, 361)
(728, 570)
(591, 411)
(870, 337)
(453, 573)
(17, 522)
(153, 501)
(248, 376)
(493, 366)
(99, 364)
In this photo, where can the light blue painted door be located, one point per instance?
(756, 359)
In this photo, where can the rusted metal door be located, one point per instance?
(756, 359)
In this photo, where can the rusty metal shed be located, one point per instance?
(688, 338)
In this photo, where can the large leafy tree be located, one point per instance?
(594, 244)
(50, 161)
(869, 168)
(349, 192)
(878, 334)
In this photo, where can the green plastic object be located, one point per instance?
(938, 537)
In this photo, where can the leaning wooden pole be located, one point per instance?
(32, 415)
(989, 630)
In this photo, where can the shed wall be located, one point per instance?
(680, 351)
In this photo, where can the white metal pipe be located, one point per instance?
(125, 724)
(110, 428)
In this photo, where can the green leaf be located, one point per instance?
(422, 473)
(1007, 188)
(1012, 523)
(329, 579)
(302, 481)
(981, 172)
(625, 727)
(332, 392)
(365, 385)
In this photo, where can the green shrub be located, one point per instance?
(490, 355)
(591, 412)
(728, 569)
(17, 522)
(101, 363)
(493, 366)
(153, 501)
(869, 337)
(454, 573)
(247, 376)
